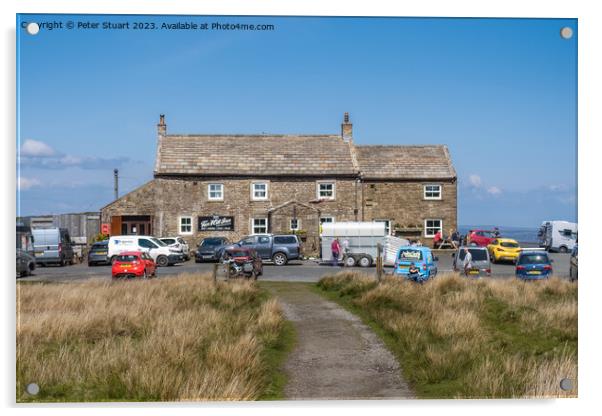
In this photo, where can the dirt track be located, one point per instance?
(336, 356)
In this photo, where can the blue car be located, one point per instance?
(423, 259)
(533, 265)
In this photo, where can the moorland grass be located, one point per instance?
(150, 340)
(461, 338)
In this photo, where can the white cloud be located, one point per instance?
(35, 148)
(475, 180)
(27, 183)
(494, 190)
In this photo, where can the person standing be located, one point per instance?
(455, 238)
(437, 239)
(467, 261)
(335, 247)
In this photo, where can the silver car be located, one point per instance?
(481, 263)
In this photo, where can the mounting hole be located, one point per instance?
(32, 388)
(566, 384)
(566, 32)
(32, 28)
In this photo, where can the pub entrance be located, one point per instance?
(131, 225)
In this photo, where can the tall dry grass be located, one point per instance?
(459, 337)
(171, 339)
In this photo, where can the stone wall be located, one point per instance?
(166, 199)
(404, 204)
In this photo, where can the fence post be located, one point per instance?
(215, 266)
(379, 261)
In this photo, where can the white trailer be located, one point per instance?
(359, 242)
(559, 236)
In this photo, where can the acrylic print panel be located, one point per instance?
(258, 208)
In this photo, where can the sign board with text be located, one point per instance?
(216, 223)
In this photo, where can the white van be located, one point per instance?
(157, 249)
(558, 236)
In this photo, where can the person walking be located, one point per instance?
(455, 239)
(437, 239)
(467, 261)
(335, 247)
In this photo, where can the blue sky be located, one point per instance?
(501, 93)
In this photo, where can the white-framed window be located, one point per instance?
(259, 191)
(259, 225)
(215, 192)
(431, 226)
(387, 226)
(325, 190)
(295, 224)
(326, 218)
(185, 224)
(432, 191)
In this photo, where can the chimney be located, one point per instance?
(346, 129)
(162, 127)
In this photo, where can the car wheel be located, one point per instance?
(113, 259)
(365, 261)
(162, 261)
(563, 249)
(62, 262)
(90, 264)
(280, 259)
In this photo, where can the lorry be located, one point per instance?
(560, 236)
(359, 241)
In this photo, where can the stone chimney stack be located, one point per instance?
(346, 129)
(162, 127)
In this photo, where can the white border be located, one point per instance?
(590, 66)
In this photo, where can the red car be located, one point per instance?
(131, 264)
(481, 238)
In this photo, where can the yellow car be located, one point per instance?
(503, 249)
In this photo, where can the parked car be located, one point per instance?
(560, 236)
(422, 257)
(481, 238)
(533, 265)
(178, 243)
(481, 264)
(503, 249)
(243, 261)
(52, 245)
(158, 250)
(99, 253)
(26, 263)
(130, 264)
(210, 249)
(278, 248)
(573, 269)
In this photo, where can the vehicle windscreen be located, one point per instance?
(239, 253)
(285, 240)
(477, 254)
(410, 255)
(97, 247)
(158, 242)
(509, 244)
(533, 259)
(168, 240)
(211, 242)
(127, 258)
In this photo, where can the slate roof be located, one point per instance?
(297, 155)
(405, 162)
(290, 155)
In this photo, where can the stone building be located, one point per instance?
(235, 185)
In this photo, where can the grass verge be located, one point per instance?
(460, 338)
(154, 340)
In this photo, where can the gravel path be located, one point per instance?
(336, 356)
